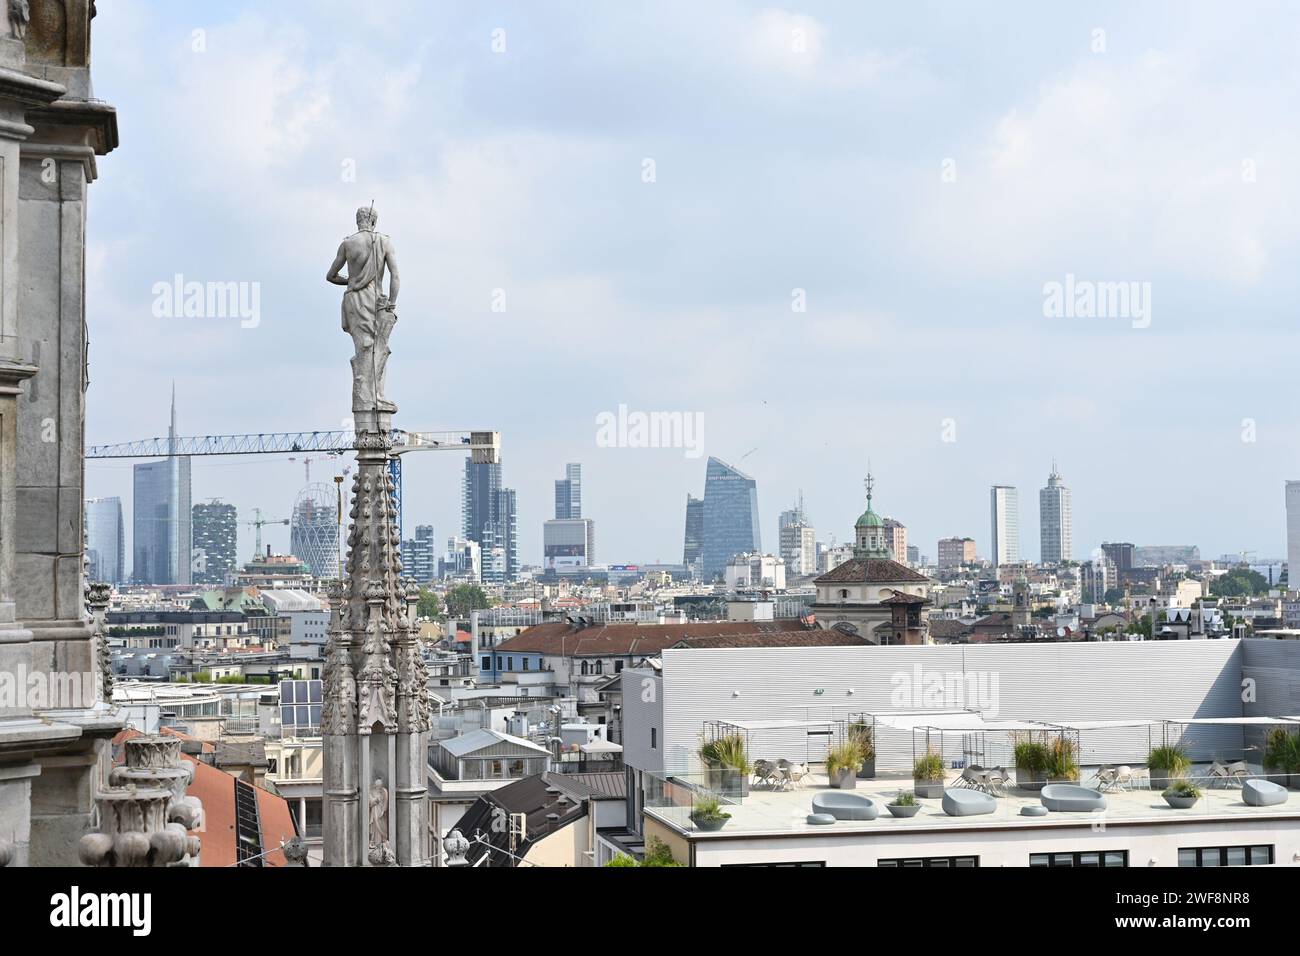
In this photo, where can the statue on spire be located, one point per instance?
(368, 314)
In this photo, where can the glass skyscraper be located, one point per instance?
(568, 492)
(105, 540)
(694, 538)
(730, 516)
(489, 517)
(161, 541)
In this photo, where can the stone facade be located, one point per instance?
(54, 724)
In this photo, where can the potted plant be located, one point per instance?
(867, 739)
(903, 805)
(1167, 764)
(927, 775)
(1182, 794)
(707, 813)
(843, 761)
(1062, 765)
(1032, 760)
(727, 764)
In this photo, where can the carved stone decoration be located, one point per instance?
(97, 599)
(145, 815)
(20, 14)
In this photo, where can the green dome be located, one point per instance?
(869, 519)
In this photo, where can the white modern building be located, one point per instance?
(798, 542)
(1114, 701)
(1056, 530)
(1005, 514)
(755, 571)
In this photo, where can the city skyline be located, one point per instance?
(862, 225)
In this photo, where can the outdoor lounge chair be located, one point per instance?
(1070, 798)
(845, 806)
(970, 779)
(993, 781)
(1217, 775)
(967, 803)
(1263, 793)
(1123, 778)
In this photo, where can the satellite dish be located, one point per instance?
(1060, 632)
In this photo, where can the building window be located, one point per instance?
(1108, 858)
(844, 594)
(525, 663)
(498, 662)
(584, 668)
(487, 663)
(510, 663)
(600, 667)
(1261, 855)
(931, 861)
(618, 667)
(654, 738)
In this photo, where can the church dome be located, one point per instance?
(869, 519)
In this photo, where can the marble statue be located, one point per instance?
(368, 314)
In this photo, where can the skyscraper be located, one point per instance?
(730, 517)
(489, 517)
(1293, 535)
(314, 529)
(1056, 534)
(216, 527)
(105, 540)
(1006, 524)
(160, 518)
(692, 540)
(568, 492)
(798, 544)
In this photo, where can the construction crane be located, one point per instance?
(257, 522)
(484, 447)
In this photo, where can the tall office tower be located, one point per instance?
(314, 530)
(162, 541)
(896, 539)
(568, 492)
(694, 537)
(1293, 535)
(956, 552)
(1006, 524)
(419, 555)
(216, 527)
(730, 517)
(1056, 532)
(499, 539)
(105, 540)
(798, 544)
(479, 490)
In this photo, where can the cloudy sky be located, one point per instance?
(653, 189)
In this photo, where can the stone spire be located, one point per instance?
(376, 706)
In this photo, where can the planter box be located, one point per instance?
(905, 812)
(928, 788)
(868, 770)
(728, 782)
(844, 779)
(1180, 803)
(1030, 781)
(710, 824)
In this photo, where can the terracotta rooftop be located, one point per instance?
(871, 571)
(787, 639)
(629, 640)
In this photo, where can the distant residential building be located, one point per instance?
(798, 544)
(1120, 555)
(730, 516)
(895, 539)
(1160, 555)
(105, 540)
(419, 555)
(755, 571)
(463, 560)
(568, 492)
(914, 555)
(1055, 523)
(1005, 515)
(692, 542)
(215, 530)
(956, 552)
(834, 556)
(1096, 577)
